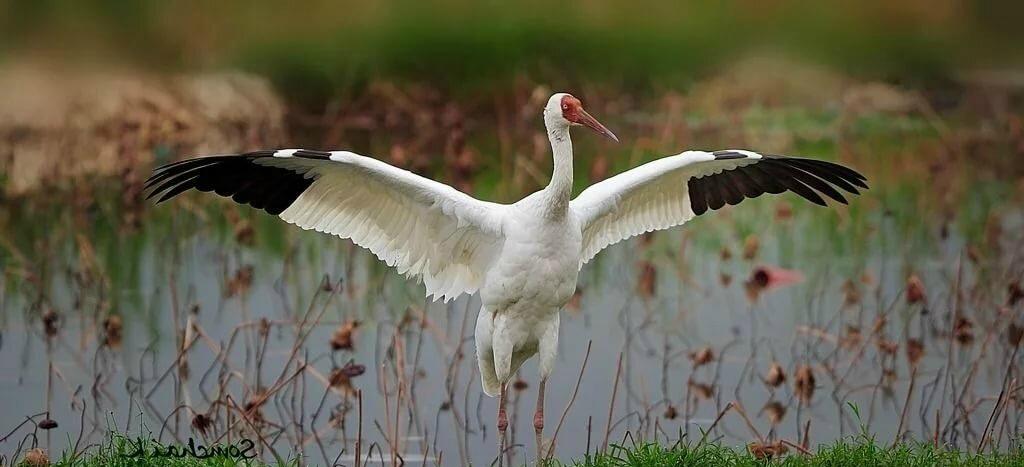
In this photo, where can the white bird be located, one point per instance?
(522, 258)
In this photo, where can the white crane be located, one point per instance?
(523, 258)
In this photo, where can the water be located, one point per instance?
(181, 280)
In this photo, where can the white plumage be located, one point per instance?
(522, 258)
(651, 197)
(423, 228)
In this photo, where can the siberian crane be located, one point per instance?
(522, 258)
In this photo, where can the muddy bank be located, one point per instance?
(60, 126)
(57, 126)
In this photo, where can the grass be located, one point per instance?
(840, 454)
(119, 450)
(861, 452)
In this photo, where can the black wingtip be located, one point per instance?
(265, 186)
(814, 180)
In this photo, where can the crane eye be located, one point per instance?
(565, 106)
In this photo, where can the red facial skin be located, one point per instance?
(572, 110)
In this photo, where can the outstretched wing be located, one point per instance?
(421, 227)
(672, 190)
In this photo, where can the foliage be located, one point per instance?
(639, 454)
(326, 47)
(119, 449)
(836, 455)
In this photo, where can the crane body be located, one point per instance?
(522, 258)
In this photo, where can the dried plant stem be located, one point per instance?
(999, 400)
(906, 407)
(743, 414)
(714, 424)
(807, 435)
(798, 447)
(575, 391)
(359, 429)
(611, 405)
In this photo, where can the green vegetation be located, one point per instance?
(451, 91)
(120, 450)
(840, 454)
(116, 452)
(324, 48)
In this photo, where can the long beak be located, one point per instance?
(593, 124)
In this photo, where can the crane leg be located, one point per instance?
(502, 424)
(538, 420)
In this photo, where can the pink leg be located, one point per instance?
(502, 424)
(538, 420)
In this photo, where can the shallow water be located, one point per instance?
(181, 278)
(690, 308)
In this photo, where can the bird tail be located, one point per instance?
(488, 377)
(490, 384)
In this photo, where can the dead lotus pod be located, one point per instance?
(783, 211)
(35, 458)
(339, 380)
(915, 350)
(112, 331)
(775, 411)
(963, 331)
(240, 282)
(776, 375)
(725, 254)
(702, 390)
(851, 294)
(804, 383)
(915, 290)
(342, 337)
(887, 346)
(751, 245)
(352, 369)
(702, 356)
(202, 423)
(51, 322)
(851, 339)
(767, 450)
(244, 233)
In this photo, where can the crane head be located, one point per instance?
(573, 113)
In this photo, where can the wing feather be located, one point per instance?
(672, 190)
(423, 228)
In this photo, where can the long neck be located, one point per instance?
(559, 189)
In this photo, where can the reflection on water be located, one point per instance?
(201, 319)
(254, 329)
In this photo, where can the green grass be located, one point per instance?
(860, 452)
(863, 453)
(119, 451)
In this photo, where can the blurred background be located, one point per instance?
(914, 286)
(322, 49)
(307, 73)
